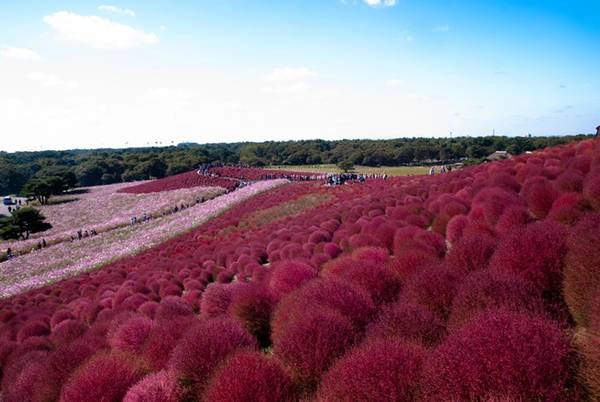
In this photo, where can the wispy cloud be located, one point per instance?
(393, 83)
(441, 28)
(97, 32)
(287, 74)
(45, 79)
(20, 53)
(380, 3)
(116, 9)
(289, 80)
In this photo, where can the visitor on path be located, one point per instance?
(598, 132)
(9, 254)
(432, 171)
(79, 234)
(39, 245)
(44, 244)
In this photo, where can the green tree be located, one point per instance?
(43, 188)
(22, 222)
(346, 166)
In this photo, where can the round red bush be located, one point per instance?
(252, 305)
(582, 273)
(311, 343)
(485, 290)
(535, 253)
(203, 348)
(471, 252)
(352, 302)
(249, 377)
(105, 377)
(131, 335)
(501, 354)
(591, 190)
(434, 287)
(412, 322)
(33, 328)
(378, 371)
(289, 275)
(156, 387)
(162, 339)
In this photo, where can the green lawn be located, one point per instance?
(390, 170)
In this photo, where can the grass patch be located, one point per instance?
(389, 170)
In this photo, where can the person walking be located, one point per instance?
(597, 132)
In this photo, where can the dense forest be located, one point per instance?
(55, 170)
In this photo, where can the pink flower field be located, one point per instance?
(104, 208)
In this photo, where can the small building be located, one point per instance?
(499, 155)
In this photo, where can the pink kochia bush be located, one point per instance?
(105, 377)
(203, 347)
(250, 377)
(501, 356)
(379, 371)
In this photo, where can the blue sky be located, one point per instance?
(90, 74)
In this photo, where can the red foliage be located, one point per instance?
(105, 377)
(539, 193)
(131, 335)
(288, 275)
(350, 301)
(591, 189)
(250, 377)
(471, 253)
(156, 387)
(252, 305)
(182, 180)
(582, 273)
(162, 339)
(203, 347)
(379, 371)
(567, 208)
(412, 322)
(501, 354)
(535, 253)
(311, 343)
(485, 290)
(433, 287)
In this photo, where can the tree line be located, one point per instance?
(42, 174)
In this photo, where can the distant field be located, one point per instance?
(390, 170)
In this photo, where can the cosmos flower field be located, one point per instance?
(478, 285)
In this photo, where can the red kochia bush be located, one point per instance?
(567, 208)
(489, 289)
(289, 275)
(311, 343)
(379, 371)
(582, 268)
(157, 387)
(536, 254)
(471, 253)
(591, 189)
(350, 301)
(162, 339)
(105, 377)
(203, 348)
(250, 377)
(433, 287)
(500, 355)
(130, 335)
(412, 322)
(252, 305)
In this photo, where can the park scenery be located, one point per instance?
(300, 201)
(481, 283)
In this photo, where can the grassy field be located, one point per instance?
(390, 170)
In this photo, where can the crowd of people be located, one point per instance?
(82, 234)
(442, 169)
(343, 178)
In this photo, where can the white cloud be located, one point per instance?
(97, 32)
(20, 53)
(288, 74)
(380, 3)
(45, 79)
(116, 9)
(441, 28)
(393, 83)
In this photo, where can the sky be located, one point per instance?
(90, 74)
